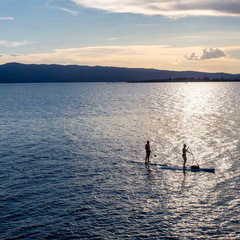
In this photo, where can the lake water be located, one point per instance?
(72, 161)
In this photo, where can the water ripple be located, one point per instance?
(72, 161)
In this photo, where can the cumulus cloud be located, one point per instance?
(14, 44)
(6, 18)
(207, 54)
(170, 8)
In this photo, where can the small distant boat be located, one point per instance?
(192, 169)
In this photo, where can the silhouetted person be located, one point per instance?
(184, 155)
(148, 152)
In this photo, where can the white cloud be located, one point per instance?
(17, 55)
(207, 54)
(171, 8)
(69, 11)
(114, 39)
(62, 9)
(7, 18)
(14, 44)
(117, 38)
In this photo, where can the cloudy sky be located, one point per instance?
(199, 35)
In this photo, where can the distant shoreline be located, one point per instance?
(180, 80)
(33, 73)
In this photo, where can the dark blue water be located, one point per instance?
(72, 161)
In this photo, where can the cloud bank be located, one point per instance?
(207, 54)
(170, 8)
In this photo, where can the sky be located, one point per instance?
(179, 35)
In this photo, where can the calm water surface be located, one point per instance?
(72, 161)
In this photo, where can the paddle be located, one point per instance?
(194, 159)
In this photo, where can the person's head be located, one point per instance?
(185, 145)
(147, 142)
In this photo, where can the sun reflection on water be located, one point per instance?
(200, 115)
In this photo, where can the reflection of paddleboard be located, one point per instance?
(189, 169)
(156, 164)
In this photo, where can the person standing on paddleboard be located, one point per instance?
(148, 152)
(184, 155)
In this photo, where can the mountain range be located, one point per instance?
(33, 73)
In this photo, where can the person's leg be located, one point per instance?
(148, 156)
(184, 161)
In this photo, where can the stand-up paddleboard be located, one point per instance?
(189, 169)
